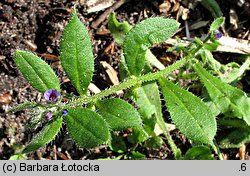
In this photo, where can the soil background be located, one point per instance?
(38, 25)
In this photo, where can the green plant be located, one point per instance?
(97, 122)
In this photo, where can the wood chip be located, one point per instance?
(229, 45)
(62, 156)
(242, 152)
(54, 152)
(233, 19)
(185, 13)
(158, 130)
(6, 98)
(165, 7)
(176, 7)
(31, 45)
(112, 74)
(96, 5)
(49, 56)
(93, 88)
(106, 13)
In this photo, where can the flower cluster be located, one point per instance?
(52, 95)
(48, 115)
(65, 112)
(217, 34)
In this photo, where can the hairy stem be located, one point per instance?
(130, 83)
(215, 147)
(135, 81)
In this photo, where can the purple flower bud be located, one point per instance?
(48, 115)
(51, 95)
(217, 34)
(65, 112)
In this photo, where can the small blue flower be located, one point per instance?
(51, 95)
(65, 112)
(48, 115)
(217, 34)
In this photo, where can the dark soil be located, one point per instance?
(37, 26)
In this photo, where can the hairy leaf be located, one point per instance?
(119, 114)
(154, 142)
(47, 134)
(199, 153)
(87, 128)
(23, 106)
(37, 72)
(235, 72)
(213, 7)
(147, 98)
(144, 35)
(233, 123)
(189, 113)
(234, 138)
(230, 100)
(18, 157)
(76, 54)
(150, 58)
(216, 24)
(118, 30)
(207, 56)
(117, 144)
(137, 136)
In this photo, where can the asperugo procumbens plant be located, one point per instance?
(93, 120)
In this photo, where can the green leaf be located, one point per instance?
(18, 157)
(47, 134)
(213, 7)
(117, 144)
(118, 30)
(123, 69)
(234, 72)
(137, 136)
(230, 100)
(233, 123)
(119, 114)
(23, 106)
(235, 138)
(76, 54)
(216, 24)
(87, 128)
(207, 56)
(150, 57)
(37, 72)
(211, 46)
(142, 36)
(149, 125)
(199, 153)
(189, 113)
(154, 142)
(135, 155)
(147, 98)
